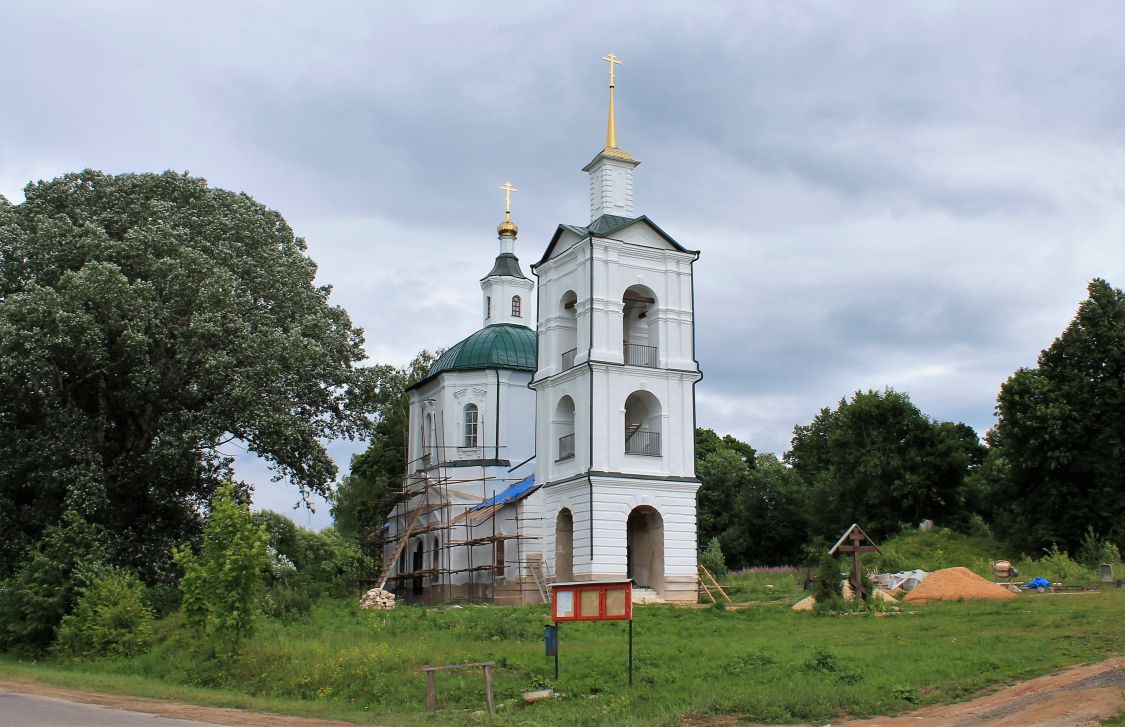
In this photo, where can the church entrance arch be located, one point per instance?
(645, 548)
(564, 546)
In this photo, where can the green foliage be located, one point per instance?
(828, 582)
(1061, 433)
(712, 558)
(145, 319)
(111, 618)
(1058, 567)
(310, 563)
(34, 601)
(360, 503)
(222, 585)
(877, 460)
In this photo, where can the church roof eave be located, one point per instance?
(506, 265)
(604, 226)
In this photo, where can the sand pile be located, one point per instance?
(950, 584)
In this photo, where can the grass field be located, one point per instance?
(764, 662)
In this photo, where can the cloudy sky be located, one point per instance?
(911, 195)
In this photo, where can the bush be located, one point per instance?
(712, 558)
(827, 584)
(111, 618)
(1057, 566)
(34, 601)
(222, 585)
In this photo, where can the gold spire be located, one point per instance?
(611, 148)
(507, 228)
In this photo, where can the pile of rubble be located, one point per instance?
(377, 598)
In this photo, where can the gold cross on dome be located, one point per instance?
(613, 61)
(508, 189)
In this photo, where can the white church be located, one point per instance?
(560, 450)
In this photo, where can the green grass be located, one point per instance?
(763, 663)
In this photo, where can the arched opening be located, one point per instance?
(564, 428)
(435, 555)
(564, 546)
(472, 422)
(638, 327)
(419, 559)
(642, 424)
(568, 328)
(517, 307)
(644, 550)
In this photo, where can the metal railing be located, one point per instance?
(568, 358)
(642, 442)
(638, 355)
(566, 447)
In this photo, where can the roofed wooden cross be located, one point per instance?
(855, 541)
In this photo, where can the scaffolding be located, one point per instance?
(426, 505)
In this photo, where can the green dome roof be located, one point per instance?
(499, 346)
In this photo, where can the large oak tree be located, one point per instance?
(145, 320)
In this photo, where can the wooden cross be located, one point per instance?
(855, 541)
(613, 61)
(508, 189)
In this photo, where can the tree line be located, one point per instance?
(1050, 472)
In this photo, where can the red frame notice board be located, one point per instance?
(592, 601)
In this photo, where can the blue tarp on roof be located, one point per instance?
(515, 492)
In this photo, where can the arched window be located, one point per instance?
(488, 306)
(516, 307)
(471, 422)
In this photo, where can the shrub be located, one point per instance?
(221, 585)
(34, 601)
(890, 560)
(827, 584)
(1058, 566)
(1090, 548)
(712, 558)
(111, 618)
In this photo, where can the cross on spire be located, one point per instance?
(613, 61)
(508, 189)
(611, 127)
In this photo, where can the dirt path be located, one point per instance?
(166, 708)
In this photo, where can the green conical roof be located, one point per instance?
(499, 346)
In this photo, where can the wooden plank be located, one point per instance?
(447, 667)
(707, 590)
(488, 689)
(431, 691)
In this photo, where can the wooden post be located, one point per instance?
(488, 688)
(431, 690)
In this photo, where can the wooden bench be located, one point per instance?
(431, 682)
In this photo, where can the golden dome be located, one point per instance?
(507, 228)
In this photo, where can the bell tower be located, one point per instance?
(615, 402)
